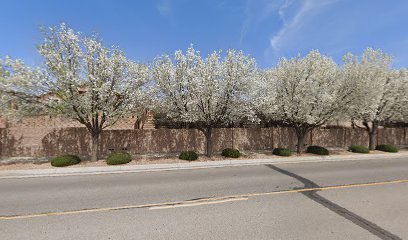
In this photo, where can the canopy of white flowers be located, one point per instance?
(84, 80)
(212, 91)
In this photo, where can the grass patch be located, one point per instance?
(65, 160)
(359, 149)
(282, 152)
(231, 152)
(118, 158)
(386, 148)
(317, 150)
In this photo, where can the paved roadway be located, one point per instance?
(330, 200)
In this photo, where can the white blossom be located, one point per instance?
(209, 92)
(82, 80)
(302, 93)
(380, 91)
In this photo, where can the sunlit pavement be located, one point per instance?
(328, 200)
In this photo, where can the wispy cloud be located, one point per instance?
(164, 7)
(245, 24)
(256, 13)
(294, 23)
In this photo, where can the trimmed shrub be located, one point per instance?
(188, 155)
(117, 158)
(386, 148)
(282, 152)
(65, 160)
(317, 150)
(231, 152)
(359, 149)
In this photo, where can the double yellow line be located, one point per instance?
(197, 202)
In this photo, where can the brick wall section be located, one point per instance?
(46, 137)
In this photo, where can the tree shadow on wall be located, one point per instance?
(141, 141)
(286, 137)
(329, 137)
(66, 141)
(10, 146)
(256, 139)
(116, 141)
(252, 139)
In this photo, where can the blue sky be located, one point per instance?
(264, 29)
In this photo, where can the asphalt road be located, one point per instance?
(329, 200)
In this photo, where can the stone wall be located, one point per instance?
(46, 137)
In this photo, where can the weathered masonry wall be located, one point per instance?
(46, 137)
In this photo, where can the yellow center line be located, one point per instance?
(197, 202)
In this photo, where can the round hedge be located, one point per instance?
(282, 152)
(317, 150)
(231, 152)
(117, 158)
(65, 160)
(359, 149)
(188, 155)
(386, 148)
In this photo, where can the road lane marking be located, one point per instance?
(200, 201)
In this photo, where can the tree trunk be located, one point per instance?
(94, 147)
(300, 142)
(372, 133)
(372, 139)
(300, 133)
(208, 136)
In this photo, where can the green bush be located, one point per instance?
(231, 152)
(188, 155)
(66, 160)
(386, 148)
(359, 149)
(282, 152)
(317, 150)
(117, 158)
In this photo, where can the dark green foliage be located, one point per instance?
(282, 152)
(66, 160)
(231, 152)
(117, 158)
(359, 149)
(386, 148)
(188, 155)
(317, 150)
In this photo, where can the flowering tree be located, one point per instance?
(380, 92)
(21, 88)
(403, 75)
(208, 92)
(303, 93)
(82, 80)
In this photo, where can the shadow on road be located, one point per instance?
(313, 195)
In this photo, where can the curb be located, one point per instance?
(75, 171)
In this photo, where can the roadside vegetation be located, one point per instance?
(188, 156)
(359, 149)
(231, 153)
(65, 160)
(386, 148)
(317, 150)
(282, 152)
(82, 79)
(118, 158)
